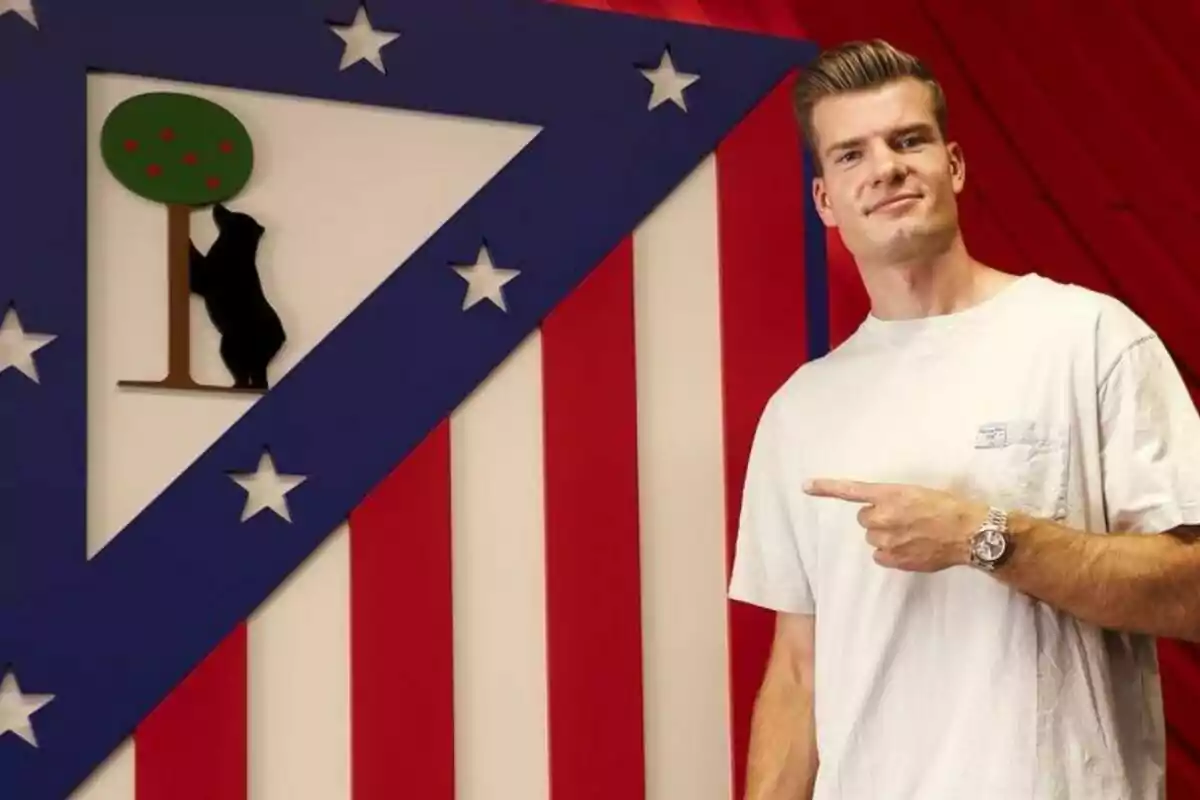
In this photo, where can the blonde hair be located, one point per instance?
(856, 66)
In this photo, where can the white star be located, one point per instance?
(16, 708)
(17, 347)
(266, 488)
(363, 43)
(484, 281)
(22, 7)
(668, 83)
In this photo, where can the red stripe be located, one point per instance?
(593, 583)
(193, 745)
(401, 631)
(686, 11)
(761, 192)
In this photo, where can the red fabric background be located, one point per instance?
(1078, 121)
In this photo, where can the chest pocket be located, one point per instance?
(1021, 465)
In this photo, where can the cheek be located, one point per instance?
(843, 205)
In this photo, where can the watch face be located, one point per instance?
(990, 545)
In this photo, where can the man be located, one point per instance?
(972, 516)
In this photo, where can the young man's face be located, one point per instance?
(890, 181)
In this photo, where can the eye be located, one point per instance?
(909, 140)
(846, 157)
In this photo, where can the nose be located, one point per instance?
(886, 165)
(888, 170)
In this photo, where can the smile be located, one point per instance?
(892, 201)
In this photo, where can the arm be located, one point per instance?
(1139, 582)
(769, 571)
(782, 761)
(1142, 574)
(1139, 574)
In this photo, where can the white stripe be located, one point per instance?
(499, 584)
(682, 490)
(299, 682)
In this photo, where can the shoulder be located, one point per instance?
(1087, 319)
(1079, 304)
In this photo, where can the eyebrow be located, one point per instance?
(846, 144)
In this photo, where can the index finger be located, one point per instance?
(854, 491)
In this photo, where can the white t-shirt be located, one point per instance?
(1048, 398)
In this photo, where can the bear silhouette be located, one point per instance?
(227, 278)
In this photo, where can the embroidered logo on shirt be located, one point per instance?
(993, 435)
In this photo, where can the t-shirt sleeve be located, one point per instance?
(1150, 441)
(767, 568)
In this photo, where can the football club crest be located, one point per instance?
(622, 109)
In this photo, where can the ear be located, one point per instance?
(220, 213)
(958, 166)
(821, 201)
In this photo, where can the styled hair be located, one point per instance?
(857, 66)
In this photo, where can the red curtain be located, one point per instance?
(1078, 121)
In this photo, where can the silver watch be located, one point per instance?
(991, 544)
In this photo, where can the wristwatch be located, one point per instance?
(991, 544)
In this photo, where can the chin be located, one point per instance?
(913, 242)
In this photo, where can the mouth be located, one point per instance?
(894, 200)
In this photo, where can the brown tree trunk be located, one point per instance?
(179, 351)
(179, 347)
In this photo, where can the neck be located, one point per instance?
(949, 281)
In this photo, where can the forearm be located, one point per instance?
(1134, 582)
(782, 762)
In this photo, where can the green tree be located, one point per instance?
(185, 152)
